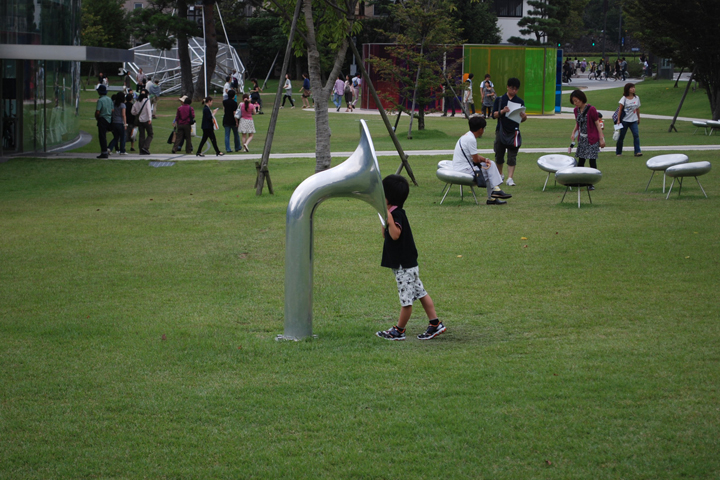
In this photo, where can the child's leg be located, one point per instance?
(405, 313)
(429, 307)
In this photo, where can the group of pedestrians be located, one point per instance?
(120, 115)
(346, 87)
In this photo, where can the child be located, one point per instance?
(400, 254)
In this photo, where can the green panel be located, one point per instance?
(550, 72)
(507, 62)
(475, 60)
(534, 68)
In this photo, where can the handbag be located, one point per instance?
(171, 138)
(478, 177)
(618, 113)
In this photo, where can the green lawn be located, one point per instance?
(140, 305)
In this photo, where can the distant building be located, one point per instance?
(40, 55)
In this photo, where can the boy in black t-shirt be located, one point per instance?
(400, 254)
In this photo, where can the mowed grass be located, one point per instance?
(140, 305)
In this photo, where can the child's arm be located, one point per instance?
(393, 228)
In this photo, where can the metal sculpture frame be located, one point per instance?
(358, 177)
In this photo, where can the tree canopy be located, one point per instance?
(686, 32)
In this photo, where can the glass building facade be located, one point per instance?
(40, 98)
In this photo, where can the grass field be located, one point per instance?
(140, 305)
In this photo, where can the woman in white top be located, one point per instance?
(288, 92)
(630, 107)
(226, 88)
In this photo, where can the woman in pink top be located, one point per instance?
(243, 116)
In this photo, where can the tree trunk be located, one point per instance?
(211, 50)
(186, 80)
(321, 93)
(421, 117)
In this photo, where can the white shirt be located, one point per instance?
(226, 87)
(467, 144)
(630, 107)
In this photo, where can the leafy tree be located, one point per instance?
(103, 24)
(477, 20)
(546, 20)
(417, 58)
(327, 23)
(685, 31)
(158, 26)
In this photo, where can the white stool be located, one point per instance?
(454, 177)
(714, 125)
(553, 163)
(663, 162)
(687, 170)
(699, 125)
(578, 177)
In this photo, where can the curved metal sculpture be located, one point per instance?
(358, 177)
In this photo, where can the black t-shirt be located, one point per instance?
(128, 113)
(230, 106)
(400, 252)
(500, 103)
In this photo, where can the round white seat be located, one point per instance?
(694, 169)
(448, 175)
(444, 164)
(553, 163)
(699, 124)
(661, 162)
(713, 125)
(578, 176)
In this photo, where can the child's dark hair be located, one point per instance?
(396, 189)
(513, 82)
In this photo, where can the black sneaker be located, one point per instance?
(432, 331)
(500, 194)
(392, 334)
(102, 155)
(496, 201)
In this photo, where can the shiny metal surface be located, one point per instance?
(687, 170)
(444, 164)
(661, 162)
(455, 177)
(578, 176)
(358, 177)
(553, 163)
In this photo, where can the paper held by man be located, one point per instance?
(515, 111)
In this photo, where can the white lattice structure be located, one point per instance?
(165, 65)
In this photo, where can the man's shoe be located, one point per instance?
(500, 194)
(496, 201)
(510, 182)
(432, 332)
(392, 334)
(123, 153)
(102, 155)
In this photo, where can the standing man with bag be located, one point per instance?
(103, 115)
(507, 132)
(467, 159)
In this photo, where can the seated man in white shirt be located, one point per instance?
(466, 152)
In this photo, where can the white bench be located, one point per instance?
(578, 177)
(451, 177)
(663, 162)
(694, 169)
(553, 163)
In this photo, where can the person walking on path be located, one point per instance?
(143, 112)
(155, 92)
(184, 119)
(208, 128)
(288, 92)
(487, 89)
(468, 95)
(119, 124)
(587, 129)
(400, 255)
(629, 116)
(230, 107)
(357, 84)
(103, 115)
(305, 89)
(507, 132)
(255, 94)
(348, 90)
(245, 121)
(129, 100)
(338, 92)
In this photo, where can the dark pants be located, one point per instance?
(146, 135)
(288, 97)
(208, 133)
(118, 141)
(103, 127)
(487, 111)
(450, 105)
(593, 162)
(183, 134)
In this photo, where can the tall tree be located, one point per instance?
(545, 20)
(477, 20)
(685, 31)
(416, 61)
(103, 24)
(211, 49)
(329, 23)
(163, 23)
